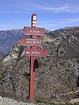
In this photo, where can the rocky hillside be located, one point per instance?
(56, 76)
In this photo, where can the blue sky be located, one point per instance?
(52, 14)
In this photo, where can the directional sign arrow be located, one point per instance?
(34, 31)
(29, 42)
(36, 51)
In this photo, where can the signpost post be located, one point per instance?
(32, 78)
(35, 49)
(32, 59)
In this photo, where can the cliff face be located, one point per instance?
(56, 76)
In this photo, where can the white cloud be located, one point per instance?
(73, 20)
(61, 23)
(26, 5)
(63, 8)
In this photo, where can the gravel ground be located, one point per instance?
(6, 101)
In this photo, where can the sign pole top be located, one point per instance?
(34, 14)
(33, 20)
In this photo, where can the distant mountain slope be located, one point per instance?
(8, 39)
(69, 30)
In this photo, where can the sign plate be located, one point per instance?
(35, 51)
(29, 42)
(34, 31)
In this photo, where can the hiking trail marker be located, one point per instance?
(36, 52)
(34, 31)
(34, 49)
(29, 42)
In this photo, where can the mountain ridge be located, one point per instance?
(8, 39)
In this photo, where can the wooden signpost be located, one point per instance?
(34, 31)
(29, 42)
(36, 52)
(35, 49)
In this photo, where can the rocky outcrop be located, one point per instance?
(58, 73)
(12, 55)
(56, 76)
